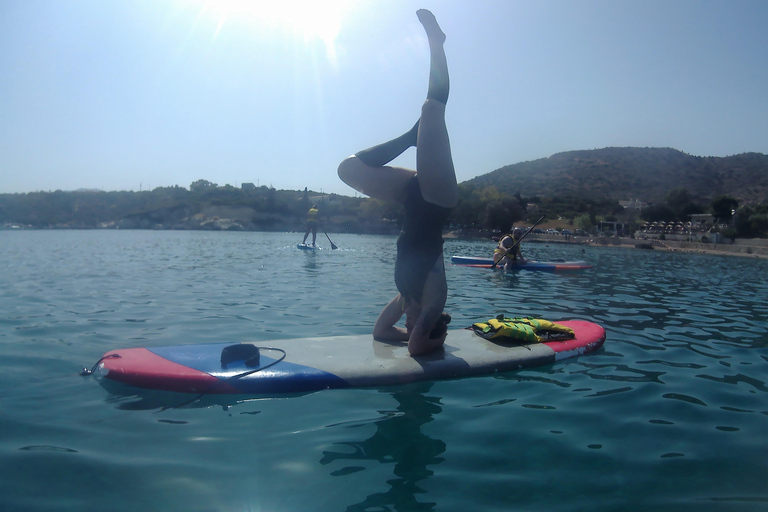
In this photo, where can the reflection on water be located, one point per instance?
(399, 441)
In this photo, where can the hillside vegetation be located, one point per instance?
(647, 174)
(577, 188)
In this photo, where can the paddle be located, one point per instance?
(517, 242)
(333, 246)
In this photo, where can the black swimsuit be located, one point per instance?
(420, 242)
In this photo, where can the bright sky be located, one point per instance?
(118, 95)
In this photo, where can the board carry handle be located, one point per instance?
(245, 352)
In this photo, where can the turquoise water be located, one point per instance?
(671, 414)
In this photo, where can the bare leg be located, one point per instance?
(381, 155)
(367, 171)
(383, 183)
(439, 83)
(434, 163)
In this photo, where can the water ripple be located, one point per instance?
(670, 414)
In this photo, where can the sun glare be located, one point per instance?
(312, 19)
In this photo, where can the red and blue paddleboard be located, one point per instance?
(546, 266)
(311, 364)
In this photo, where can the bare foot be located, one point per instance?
(428, 21)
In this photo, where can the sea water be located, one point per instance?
(671, 414)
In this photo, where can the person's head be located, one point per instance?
(314, 206)
(413, 310)
(441, 327)
(518, 232)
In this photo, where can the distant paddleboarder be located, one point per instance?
(312, 221)
(428, 193)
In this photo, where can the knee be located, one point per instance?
(432, 108)
(348, 169)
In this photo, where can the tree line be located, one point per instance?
(480, 208)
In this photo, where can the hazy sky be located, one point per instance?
(118, 95)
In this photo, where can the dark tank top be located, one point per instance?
(420, 242)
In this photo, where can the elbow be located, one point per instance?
(421, 349)
(414, 351)
(423, 345)
(378, 333)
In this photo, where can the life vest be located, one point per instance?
(312, 215)
(503, 251)
(527, 330)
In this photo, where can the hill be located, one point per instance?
(568, 186)
(647, 174)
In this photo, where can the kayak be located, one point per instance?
(546, 266)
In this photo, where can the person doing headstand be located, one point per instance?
(428, 194)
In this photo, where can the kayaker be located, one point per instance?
(428, 194)
(507, 254)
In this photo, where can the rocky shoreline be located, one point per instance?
(754, 251)
(757, 249)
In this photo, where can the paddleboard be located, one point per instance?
(311, 364)
(546, 266)
(308, 247)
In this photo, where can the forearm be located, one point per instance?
(390, 333)
(385, 329)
